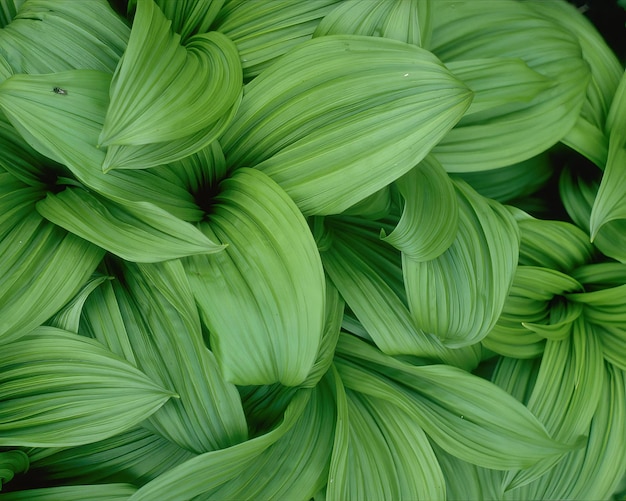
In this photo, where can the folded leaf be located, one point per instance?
(325, 146)
(164, 91)
(380, 452)
(135, 231)
(156, 327)
(268, 283)
(459, 295)
(207, 472)
(429, 221)
(188, 16)
(41, 268)
(59, 389)
(12, 462)
(406, 21)
(368, 274)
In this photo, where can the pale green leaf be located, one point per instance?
(47, 36)
(265, 31)
(325, 146)
(404, 20)
(59, 389)
(41, 268)
(164, 91)
(465, 415)
(268, 282)
(459, 295)
(514, 131)
(96, 492)
(380, 452)
(157, 328)
(135, 231)
(429, 221)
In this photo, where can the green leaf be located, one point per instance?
(135, 231)
(265, 31)
(156, 327)
(532, 312)
(380, 452)
(163, 91)
(406, 21)
(65, 127)
(368, 274)
(459, 295)
(330, 156)
(463, 414)
(47, 36)
(429, 221)
(41, 268)
(269, 283)
(135, 456)
(514, 131)
(12, 462)
(188, 17)
(609, 208)
(59, 389)
(208, 472)
(98, 492)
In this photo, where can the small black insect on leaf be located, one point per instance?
(59, 90)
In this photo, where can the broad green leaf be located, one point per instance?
(459, 295)
(156, 327)
(97, 492)
(12, 462)
(463, 414)
(135, 456)
(535, 306)
(406, 21)
(519, 130)
(429, 221)
(603, 307)
(380, 452)
(47, 36)
(41, 268)
(135, 231)
(268, 282)
(208, 472)
(163, 91)
(188, 17)
(497, 82)
(368, 274)
(59, 389)
(265, 31)
(17, 201)
(325, 146)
